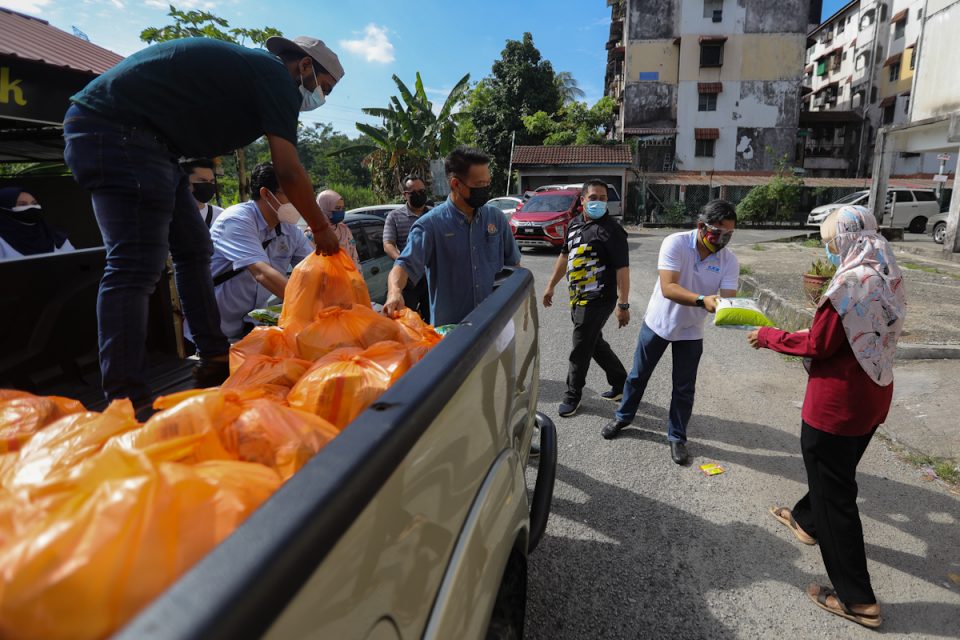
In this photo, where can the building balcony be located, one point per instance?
(816, 149)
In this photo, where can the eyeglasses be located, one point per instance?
(723, 233)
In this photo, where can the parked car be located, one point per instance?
(614, 205)
(910, 208)
(543, 220)
(379, 210)
(367, 231)
(507, 204)
(937, 227)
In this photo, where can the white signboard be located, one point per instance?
(944, 157)
(939, 178)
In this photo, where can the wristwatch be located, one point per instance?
(623, 306)
(700, 301)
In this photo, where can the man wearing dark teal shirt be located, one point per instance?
(125, 132)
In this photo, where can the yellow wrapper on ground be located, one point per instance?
(740, 312)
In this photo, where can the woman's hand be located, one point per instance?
(754, 338)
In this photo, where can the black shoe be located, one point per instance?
(678, 452)
(567, 408)
(210, 373)
(613, 394)
(612, 428)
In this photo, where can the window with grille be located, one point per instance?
(705, 148)
(899, 29)
(894, 72)
(709, 6)
(711, 54)
(708, 102)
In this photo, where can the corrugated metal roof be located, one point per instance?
(34, 39)
(649, 131)
(706, 134)
(619, 154)
(709, 87)
(746, 180)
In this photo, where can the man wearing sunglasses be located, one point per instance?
(396, 230)
(693, 266)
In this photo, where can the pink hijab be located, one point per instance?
(867, 292)
(327, 201)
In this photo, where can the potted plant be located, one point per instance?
(815, 280)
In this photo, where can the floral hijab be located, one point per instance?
(867, 291)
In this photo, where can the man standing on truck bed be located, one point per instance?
(124, 134)
(596, 260)
(459, 246)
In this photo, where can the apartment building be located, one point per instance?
(709, 85)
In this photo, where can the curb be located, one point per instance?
(936, 256)
(790, 316)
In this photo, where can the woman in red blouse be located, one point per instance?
(851, 346)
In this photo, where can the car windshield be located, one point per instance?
(540, 204)
(853, 197)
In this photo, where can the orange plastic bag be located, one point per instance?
(339, 327)
(414, 327)
(68, 442)
(319, 282)
(339, 387)
(273, 376)
(126, 530)
(279, 437)
(22, 414)
(263, 341)
(394, 357)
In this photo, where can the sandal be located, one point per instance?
(871, 621)
(784, 517)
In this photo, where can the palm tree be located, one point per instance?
(568, 86)
(410, 135)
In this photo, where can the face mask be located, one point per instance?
(287, 213)
(204, 191)
(833, 258)
(715, 238)
(478, 196)
(336, 216)
(311, 99)
(417, 199)
(27, 213)
(596, 209)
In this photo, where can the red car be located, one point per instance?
(543, 219)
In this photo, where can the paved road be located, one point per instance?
(640, 548)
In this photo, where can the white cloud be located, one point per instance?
(186, 5)
(32, 7)
(374, 46)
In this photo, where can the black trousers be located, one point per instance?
(829, 510)
(588, 343)
(417, 297)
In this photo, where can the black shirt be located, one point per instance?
(206, 97)
(595, 250)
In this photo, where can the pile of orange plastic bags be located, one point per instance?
(99, 513)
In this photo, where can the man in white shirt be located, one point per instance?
(254, 245)
(693, 266)
(203, 186)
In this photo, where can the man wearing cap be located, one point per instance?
(124, 134)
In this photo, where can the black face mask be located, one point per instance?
(204, 191)
(27, 216)
(478, 196)
(417, 199)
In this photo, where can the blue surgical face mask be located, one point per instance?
(834, 258)
(336, 216)
(311, 99)
(596, 209)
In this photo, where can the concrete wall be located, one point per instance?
(650, 104)
(660, 56)
(776, 16)
(653, 19)
(936, 90)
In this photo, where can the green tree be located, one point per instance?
(573, 124)
(203, 24)
(521, 84)
(410, 135)
(568, 87)
(778, 200)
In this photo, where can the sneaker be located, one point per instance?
(567, 408)
(612, 428)
(614, 395)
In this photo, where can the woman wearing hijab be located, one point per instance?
(851, 345)
(23, 231)
(331, 203)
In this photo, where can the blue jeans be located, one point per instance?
(686, 360)
(145, 212)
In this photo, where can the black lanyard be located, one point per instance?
(228, 275)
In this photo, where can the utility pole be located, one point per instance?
(868, 95)
(513, 139)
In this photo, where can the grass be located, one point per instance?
(927, 269)
(759, 247)
(787, 358)
(745, 270)
(812, 243)
(945, 469)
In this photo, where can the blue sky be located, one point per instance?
(377, 38)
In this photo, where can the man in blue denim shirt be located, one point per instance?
(459, 245)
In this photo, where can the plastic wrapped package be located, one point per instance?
(263, 341)
(415, 328)
(274, 376)
(394, 357)
(22, 414)
(339, 387)
(319, 282)
(740, 312)
(339, 327)
(123, 530)
(279, 437)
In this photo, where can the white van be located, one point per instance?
(910, 208)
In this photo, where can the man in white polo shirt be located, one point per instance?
(254, 245)
(693, 266)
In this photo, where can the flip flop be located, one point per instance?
(820, 599)
(784, 517)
